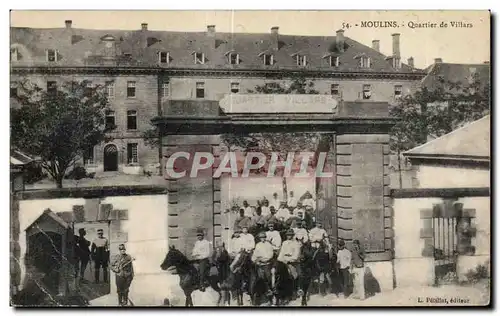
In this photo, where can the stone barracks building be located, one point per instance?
(146, 71)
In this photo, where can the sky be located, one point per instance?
(454, 45)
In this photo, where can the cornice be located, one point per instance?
(190, 72)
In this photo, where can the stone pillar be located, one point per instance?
(363, 194)
(192, 200)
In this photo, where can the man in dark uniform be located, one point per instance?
(124, 271)
(100, 255)
(82, 252)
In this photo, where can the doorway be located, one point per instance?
(45, 251)
(110, 158)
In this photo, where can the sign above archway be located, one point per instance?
(279, 103)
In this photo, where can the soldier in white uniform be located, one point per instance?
(201, 255)
(273, 236)
(318, 235)
(301, 233)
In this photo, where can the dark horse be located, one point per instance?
(189, 275)
(227, 280)
(240, 270)
(307, 270)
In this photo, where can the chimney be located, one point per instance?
(438, 60)
(144, 26)
(339, 40)
(411, 62)
(395, 45)
(376, 45)
(211, 30)
(68, 23)
(275, 37)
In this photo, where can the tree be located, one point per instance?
(434, 112)
(59, 125)
(280, 143)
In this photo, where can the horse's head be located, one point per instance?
(174, 258)
(306, 252)
(220, 253)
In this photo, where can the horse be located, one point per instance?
(306, 264)
(189, 275)
(322, 268)
(240, 274)
(222, 262)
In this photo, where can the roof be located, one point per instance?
(18, 158)
(462, 73)
(470, 142)
(53, 216)
(84, 47)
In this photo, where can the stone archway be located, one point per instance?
(110, 158)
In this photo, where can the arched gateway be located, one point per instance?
(354, 203)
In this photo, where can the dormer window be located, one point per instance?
(268, 59)
(14, 54)
(334, 61)
(199, 58)
(301, 60)
(164, 57)
(364, 62)
(396, 63)
(51, 55)
(234, 58)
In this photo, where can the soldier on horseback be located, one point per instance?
(273, 236)
(318, 235)
(262, 258)
(301, 233)
(289, 254)
(201, 255)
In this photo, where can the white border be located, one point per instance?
(191, 5)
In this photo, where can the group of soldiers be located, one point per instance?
(98, 251)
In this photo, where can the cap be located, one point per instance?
(237, 230)
(100, 230)
(199, 232)
(262, 235)
(271, 223)
(341, 243)
(290, 232)
(121, 247)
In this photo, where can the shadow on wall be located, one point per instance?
(372, 286)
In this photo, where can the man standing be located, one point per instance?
(292, 200)
(344, 261)
(82, 253)
(358, 269)
(246, 240)
(248, 209)
(258, 221)
(282, 213)
(124, 272)
(201, 253)
(276, 202)
(100, 255)
(265, 208)
(273, 236)
(309, 201)
(271, 218)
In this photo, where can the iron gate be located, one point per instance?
(445, 241)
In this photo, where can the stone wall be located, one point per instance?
(414, 211)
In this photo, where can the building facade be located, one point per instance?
(145, 70)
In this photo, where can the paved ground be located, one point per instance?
(449, 295)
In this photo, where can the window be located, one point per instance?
(51, 87)
(235, 87)
(199, 58)
(131, 120)
(88, 156)
(51, 55)
(130, 89)
(367, 93)
(301, 60)
(110, 89)
(335, 89)
(89, 89)
(396, 62)
(268, 60)
(364, 62)
(165, 90)
(132, 153)
(13, 89)
(14, 54)
(334, 61)
(234, 59)
(200, 90)
(398, 91)
(110, 119)
(164, 57)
